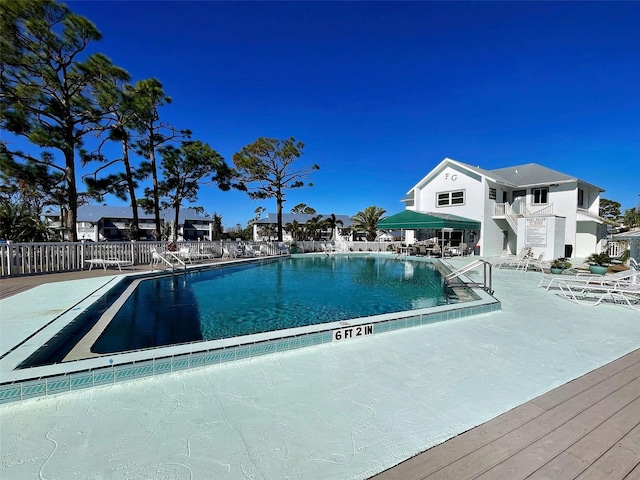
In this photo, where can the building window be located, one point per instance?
(492, 193)
(540, 195)
(581, 198)
(445, 199)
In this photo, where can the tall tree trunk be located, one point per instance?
(279, 202)
(175, 224)
(154, 175)
(72, 193)
(135, 222)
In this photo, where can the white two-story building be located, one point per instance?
(521, 206)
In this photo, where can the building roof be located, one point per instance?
(532, 174)
(525, 175)
(301, 218)
(93, 213)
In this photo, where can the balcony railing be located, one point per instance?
(524, 210)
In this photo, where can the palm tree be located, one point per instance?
(332, 224)
(294, 228)
(367, 221)
(313, 226)
(17, 223)
(267, 230)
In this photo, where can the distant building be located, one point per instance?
(520, 206)
(269, 223)
(104, 223)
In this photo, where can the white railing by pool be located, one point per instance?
(18, 259)
(39, 257)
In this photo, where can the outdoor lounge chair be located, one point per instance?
(185, 254)
(497, 259)
(108, 262)
(621, 292)
(632, 276)
(513, 261)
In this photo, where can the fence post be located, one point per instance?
(133, 251)
(10, 257)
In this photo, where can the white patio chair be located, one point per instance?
(185, 254)
(282, 249)
(249, 251)
(538, 263)
(226, 253)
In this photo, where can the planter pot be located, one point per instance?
(598, 269)
(557, 271)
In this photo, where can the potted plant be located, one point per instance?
(559, 264)
(599, 263)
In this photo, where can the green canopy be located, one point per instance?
(410, 220)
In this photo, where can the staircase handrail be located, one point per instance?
(511, 216)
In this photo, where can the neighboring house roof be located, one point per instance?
(301, 218)
(93, 213)
(630, 235)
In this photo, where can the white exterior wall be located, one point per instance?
(565, 203)
(491, 239)
(452, 180)
(585, 236)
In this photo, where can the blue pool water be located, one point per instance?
(259, 297)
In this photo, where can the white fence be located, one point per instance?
(35, 258)
(18, 259)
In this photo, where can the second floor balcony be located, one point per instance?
(521, 209)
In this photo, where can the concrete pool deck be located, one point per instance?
(335, 411)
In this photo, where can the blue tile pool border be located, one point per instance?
(161, 361)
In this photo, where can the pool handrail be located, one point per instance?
(485, 285)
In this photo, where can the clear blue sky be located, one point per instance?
(381, 92)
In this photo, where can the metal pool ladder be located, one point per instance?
(486, 284)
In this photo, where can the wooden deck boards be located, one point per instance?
(586, 429)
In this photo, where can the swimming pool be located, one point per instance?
(262, 297)
(60, 356)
